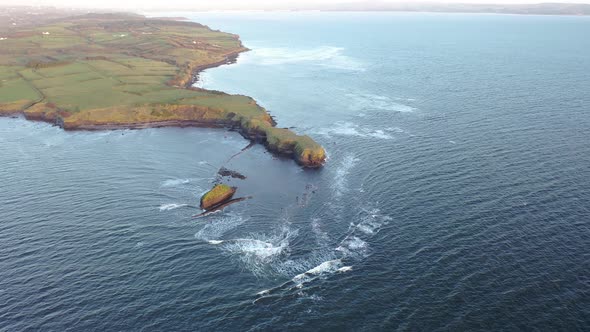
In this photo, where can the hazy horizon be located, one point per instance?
(265, 4)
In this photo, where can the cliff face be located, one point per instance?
(304, 150)
(258, 128)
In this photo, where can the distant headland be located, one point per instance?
(118, 70)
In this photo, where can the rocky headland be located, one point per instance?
(116, 71)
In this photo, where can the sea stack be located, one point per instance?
(220, 194)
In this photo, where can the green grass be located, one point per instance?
(15, 90)
(217, 195)
(100, 70)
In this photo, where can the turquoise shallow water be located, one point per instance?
(456, 195)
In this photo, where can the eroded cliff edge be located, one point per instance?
(112, 71)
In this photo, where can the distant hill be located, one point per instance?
(523, 9)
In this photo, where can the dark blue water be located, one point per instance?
(456, 195)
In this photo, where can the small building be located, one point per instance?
(46, 32)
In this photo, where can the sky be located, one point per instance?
(243, 4)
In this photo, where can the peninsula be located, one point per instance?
(113, 70)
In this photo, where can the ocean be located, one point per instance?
(456, 195)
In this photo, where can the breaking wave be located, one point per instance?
(259, 252)
(324, 268)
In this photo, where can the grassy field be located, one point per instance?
(120, 70)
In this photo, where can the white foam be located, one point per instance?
(326, 56)
(368, 101)
(345, 269)
(216, 228)
(329, 266)
(340, 178)
(261, 253)
(205, 79)
(350, 129)
(395, 129)
(324, 268)
(261, 250)
(263, 292)
(322, 237)
(372, 222)
(174, 182)
(355, 245)
(171, 206)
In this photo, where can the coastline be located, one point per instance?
(253, 123)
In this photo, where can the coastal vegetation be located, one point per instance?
(109, 71)
(220, 194)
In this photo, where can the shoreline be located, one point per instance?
(217, 110)
(254, 136)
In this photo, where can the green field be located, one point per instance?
(117, 69)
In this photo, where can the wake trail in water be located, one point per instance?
(171, 206)
(260, 253)
(266, 254)
(331, 258)
(215, 229)
(340, 182)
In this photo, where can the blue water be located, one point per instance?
(456, 195)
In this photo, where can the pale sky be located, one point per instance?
(244, 4)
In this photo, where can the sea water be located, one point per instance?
(456, 195)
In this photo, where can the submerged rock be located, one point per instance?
(228, 172)
(220, 194)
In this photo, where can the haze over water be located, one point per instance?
(456, 195)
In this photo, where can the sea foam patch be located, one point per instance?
(260, 252)
(340, 177)
(215, 229)
(326, 267)
(171, 206)
(174, 182)
(326, 56)
(367, 101)
(343, 128)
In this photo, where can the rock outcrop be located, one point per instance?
(217, 196)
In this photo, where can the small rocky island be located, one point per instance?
(216, 199)
(221, 193)
(111, 71)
